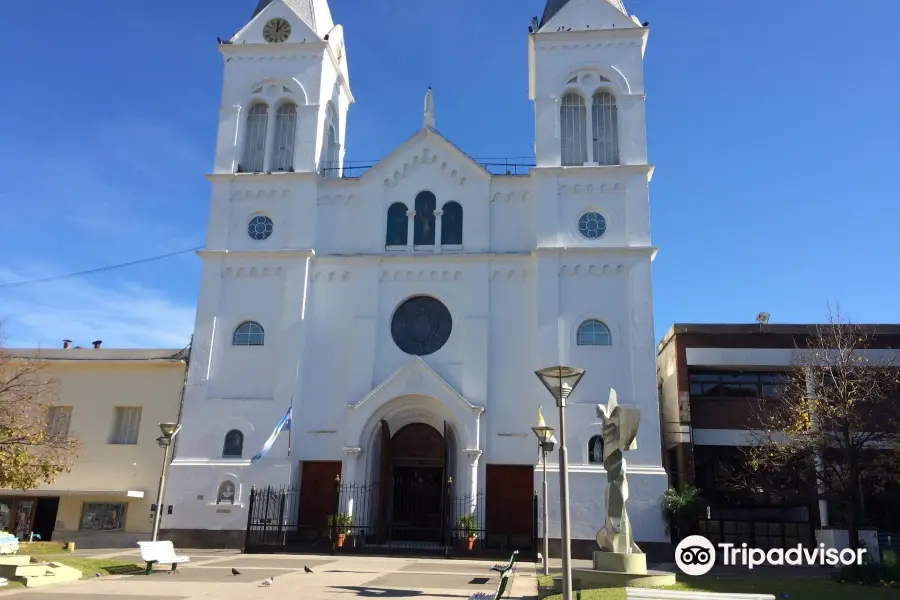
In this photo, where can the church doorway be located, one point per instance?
(414, 466)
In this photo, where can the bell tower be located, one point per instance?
(286, 92)
(586, 80)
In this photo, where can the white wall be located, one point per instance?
(325, 288)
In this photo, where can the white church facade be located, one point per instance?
(402, 312)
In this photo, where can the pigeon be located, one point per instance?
(269, 581)
(307, 569)
(235, 571)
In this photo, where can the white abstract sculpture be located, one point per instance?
(620, 426)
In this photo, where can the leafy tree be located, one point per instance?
(681, 507)
(31, 451)
(834, 424)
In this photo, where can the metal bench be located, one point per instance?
(504, 568)
(501, 589)
(162, 553)
(650, 594)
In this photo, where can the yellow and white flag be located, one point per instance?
(542, 423)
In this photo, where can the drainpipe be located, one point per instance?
(187, 366)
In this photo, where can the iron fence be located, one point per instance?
(495, 166)
(376, 520)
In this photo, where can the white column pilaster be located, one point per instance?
(472, 456)
(437, 230)
(348, 477)
(410, 229)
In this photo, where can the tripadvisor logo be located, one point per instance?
(696, 555)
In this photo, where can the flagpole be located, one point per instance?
(291, 428)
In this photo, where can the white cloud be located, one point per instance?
(123, 314)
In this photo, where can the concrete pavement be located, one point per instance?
(209, 576)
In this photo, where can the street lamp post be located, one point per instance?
(560, 382)
(545, 442)
(169, 431)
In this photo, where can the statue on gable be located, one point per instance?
(620, 426)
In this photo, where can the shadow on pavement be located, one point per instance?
(368, 592)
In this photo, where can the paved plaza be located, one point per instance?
(209, 575)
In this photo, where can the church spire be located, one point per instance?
(428, 116)
(554, 6)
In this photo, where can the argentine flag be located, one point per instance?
(283, 425)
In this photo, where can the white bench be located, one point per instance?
(162, 553)
(650, 594)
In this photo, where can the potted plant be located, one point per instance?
(468, 527)
(344, 523)
(681, 507)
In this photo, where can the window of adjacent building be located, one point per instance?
(595, 450)
(103, 517)
(249, 333)
(59, 419)
(734, 384)
(594, 333)
(234, 444)
(127, 425)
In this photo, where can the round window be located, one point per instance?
(592, 225)
(421, 326)
(260, 228)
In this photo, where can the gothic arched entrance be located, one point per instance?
(414, 477)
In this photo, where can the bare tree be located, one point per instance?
(32, 451)
(834, 424)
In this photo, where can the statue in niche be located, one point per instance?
(620, 426)
(225, 495)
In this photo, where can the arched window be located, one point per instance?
(285, 132)
(226, 493)
(594, 333)
(452, 224)
(248, 333)
(573, 130)
(605, 117)
(397, 225)
(255, 139)
(423, 233)
(332, 160)
(234, 444)
(595, 450)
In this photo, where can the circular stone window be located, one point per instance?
(592, 225)
(260, 228)
(421, 326)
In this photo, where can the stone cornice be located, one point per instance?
(647, 170)
(560, 251)
(254, 254)
(583, 35)
(268, 178)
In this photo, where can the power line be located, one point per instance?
(97, 270)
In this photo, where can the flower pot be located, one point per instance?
(469, 543)
(340, 539)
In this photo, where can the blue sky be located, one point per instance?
(773, 127)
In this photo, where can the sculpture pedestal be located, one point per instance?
(612, 569)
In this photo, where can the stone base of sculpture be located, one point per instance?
(613, 569)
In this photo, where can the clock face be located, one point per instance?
(277, 30)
